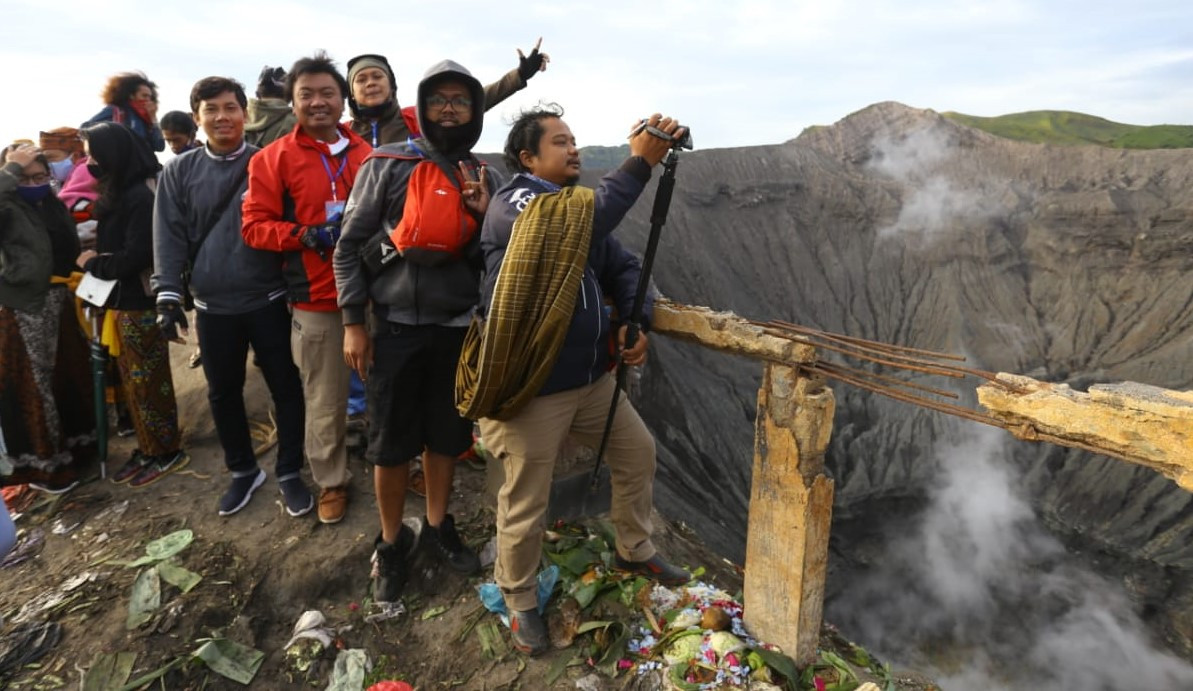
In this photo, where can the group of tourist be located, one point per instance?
(369, 250)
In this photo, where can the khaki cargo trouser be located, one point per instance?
(527, 447)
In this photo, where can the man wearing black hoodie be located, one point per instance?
(421, 311)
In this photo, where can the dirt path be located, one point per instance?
(261, 569)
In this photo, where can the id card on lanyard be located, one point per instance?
(333, 209)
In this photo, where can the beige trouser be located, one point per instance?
(528, 445)
(317, 342)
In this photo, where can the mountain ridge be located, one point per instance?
(896, 224)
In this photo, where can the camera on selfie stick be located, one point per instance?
(683, 142)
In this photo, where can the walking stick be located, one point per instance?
(99, 362)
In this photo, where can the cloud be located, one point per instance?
(749, 73)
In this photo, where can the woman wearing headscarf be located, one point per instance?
(126, 170)
(131, 100)
(376, 115)
(47, 427)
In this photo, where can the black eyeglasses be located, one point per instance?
(39, 179)
(458, 102)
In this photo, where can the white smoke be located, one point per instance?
(933, 203)
(979, 596)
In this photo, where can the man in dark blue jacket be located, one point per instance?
(574, 401)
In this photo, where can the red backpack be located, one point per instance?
(435, 226)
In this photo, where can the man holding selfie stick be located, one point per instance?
(568, 388)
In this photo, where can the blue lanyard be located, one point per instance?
(338, 173)
(375, 144)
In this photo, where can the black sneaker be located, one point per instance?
(124, 425)
(158, 467)
(444, 543)
(391, 566)
(240, 491)
(295, 495)
(654, 568)
(132, 467)
(358, 422)
(528, 632)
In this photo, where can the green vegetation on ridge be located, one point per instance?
(1068, 128)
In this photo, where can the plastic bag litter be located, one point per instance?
(488, 553)
(352, 666)
(28, 544)
(113, 511)
(386, 610)
(64, 527)
(311, 625)
(493, 601)
(49, 599)
(27, 643)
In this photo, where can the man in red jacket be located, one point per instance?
(298, 186)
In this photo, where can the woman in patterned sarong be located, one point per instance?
(47, 426)
(125, 168)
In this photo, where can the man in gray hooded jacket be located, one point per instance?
(239, 294)
(421, 312)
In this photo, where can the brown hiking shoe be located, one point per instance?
(333, 503)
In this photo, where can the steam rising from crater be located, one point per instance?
(978, 592)
(932, 204)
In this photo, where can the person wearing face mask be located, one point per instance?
(126, 170)
(379, 120)
(376, 115)
(48, 427)
(179, 130)
(63, 150)
(131, 100)
(421, 305)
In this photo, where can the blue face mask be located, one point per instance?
(61, 170)
(33, 193)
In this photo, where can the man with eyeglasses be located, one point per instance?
(298, 187)
(422, 302)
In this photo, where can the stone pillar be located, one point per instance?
(791, 506)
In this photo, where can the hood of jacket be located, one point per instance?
(264, 112)
(462, 138)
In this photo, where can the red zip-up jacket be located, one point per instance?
(289, 187)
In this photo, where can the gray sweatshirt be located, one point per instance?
(228, 276)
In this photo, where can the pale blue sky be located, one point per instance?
(744, 73)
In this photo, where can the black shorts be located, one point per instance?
(411, 393)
